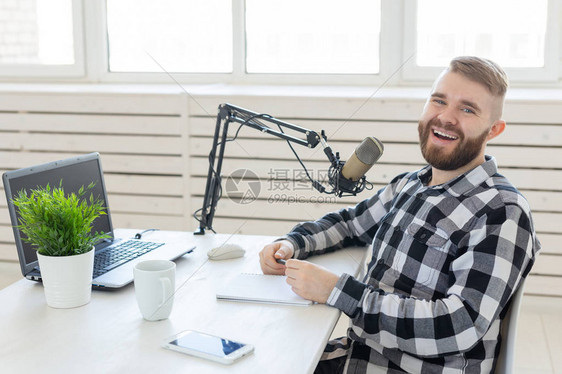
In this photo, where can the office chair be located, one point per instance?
(505, 363)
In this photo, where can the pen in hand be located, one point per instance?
(281, 261)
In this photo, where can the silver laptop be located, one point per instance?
(115, 257)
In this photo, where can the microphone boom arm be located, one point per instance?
(231, 113)
(228, 113)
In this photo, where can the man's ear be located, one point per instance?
(497, 128)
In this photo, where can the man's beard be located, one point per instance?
(465, 152)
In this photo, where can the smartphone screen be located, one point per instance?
(209, 344)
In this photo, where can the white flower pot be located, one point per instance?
(67, 279)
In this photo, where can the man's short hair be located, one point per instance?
(483, 71)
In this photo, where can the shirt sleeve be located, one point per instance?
(353, 226)
(498, 252)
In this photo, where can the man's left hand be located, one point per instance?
(310, 281)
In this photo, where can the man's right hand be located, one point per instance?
(282, 249)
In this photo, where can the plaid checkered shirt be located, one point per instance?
(445, 262)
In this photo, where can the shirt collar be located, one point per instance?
(464, 182)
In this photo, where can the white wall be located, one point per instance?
(154, 142)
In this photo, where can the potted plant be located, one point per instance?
(59, 227)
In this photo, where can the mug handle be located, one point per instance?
(166, 290)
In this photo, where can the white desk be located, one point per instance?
(108, 335)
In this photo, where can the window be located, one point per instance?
(357, 42)
(322, 37)
(514, 33)
(516, 39)
(40, 37)
(173, 35)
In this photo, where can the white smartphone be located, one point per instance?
(207, 346)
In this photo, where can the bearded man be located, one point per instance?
(451, 243)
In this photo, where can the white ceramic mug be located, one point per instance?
(154, 287)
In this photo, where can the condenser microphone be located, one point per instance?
(351, 177)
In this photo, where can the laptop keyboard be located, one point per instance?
(123, 252)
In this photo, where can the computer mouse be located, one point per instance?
(226, 251)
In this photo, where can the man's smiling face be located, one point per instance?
(456, 122)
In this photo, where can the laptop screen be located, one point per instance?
(74, 174)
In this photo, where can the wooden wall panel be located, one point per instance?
(142, 139)
(529, 153)
(155, 145)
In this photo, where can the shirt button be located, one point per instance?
(381, 261)
(423, 236)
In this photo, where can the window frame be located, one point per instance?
(397, 62)
(547, 74)
(239, 74)
(38, 71)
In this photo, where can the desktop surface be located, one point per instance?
(109, 334)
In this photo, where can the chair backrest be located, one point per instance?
(505, 363)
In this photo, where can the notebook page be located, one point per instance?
(260, 288)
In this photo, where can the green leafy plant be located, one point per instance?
(56, 224)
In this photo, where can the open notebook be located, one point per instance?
(260, 288)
